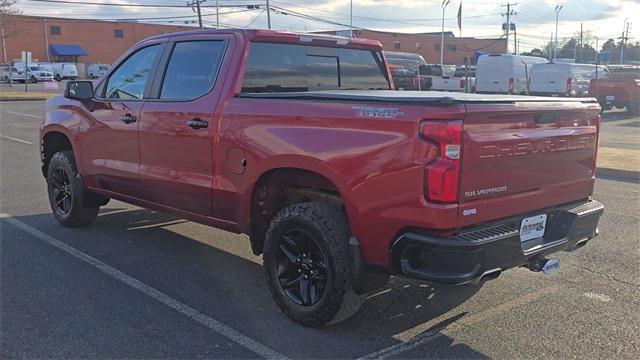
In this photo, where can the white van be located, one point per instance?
(97, 70)
(65, 71)
(563, 79)
(504, 73)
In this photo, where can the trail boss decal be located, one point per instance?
(375, 112)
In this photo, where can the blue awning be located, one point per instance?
(67, 50)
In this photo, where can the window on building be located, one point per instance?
(192, 70)
(452, 47)
(396, 44)
(118, 33)
(130, 79)
(436, 47)
(55, 30)
(418, 46)
(289, 67)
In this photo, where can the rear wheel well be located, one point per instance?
(52, 143)
(279, 188)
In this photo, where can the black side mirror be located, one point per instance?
(79, 90)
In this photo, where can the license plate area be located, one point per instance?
(532, 227)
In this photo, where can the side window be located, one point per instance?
(192, 69)
(130, 79)
(275, 68)
(361, 69)
(290, 67)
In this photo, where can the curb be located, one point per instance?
(618, 174)
(23, 99)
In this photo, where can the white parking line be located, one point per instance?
(16, 139)
(23, 114)
(215, 325)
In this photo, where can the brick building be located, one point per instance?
(85, 41)
(456, 49)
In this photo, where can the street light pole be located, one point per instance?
(555, 45)
(444, 7)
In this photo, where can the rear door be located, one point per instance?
(549, 78)
(177, 127)
(493, 74)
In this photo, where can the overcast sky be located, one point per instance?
(535, 19)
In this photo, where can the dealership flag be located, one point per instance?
(460, 18)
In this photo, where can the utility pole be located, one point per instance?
(4, 50)
(555, 45)
(625, 37)
(508, 14)
(196, 4)
(351, 18)
(46, 38)
(217, 15)
(581, 43)
(515, 39)
(268, 16)
(444, 7)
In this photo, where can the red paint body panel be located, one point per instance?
(377, 164)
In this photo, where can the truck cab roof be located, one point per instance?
(284, 37)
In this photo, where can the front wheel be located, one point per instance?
(33, 79)
(308, 266)
(71, 203)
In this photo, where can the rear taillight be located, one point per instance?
(510, 85)
(595, 157)
(569, 86)
(462, 84)
(443, 173)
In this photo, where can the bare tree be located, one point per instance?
(7, 10)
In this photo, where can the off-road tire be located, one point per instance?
(330, 227)
(84, 208)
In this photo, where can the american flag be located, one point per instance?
(460, 17)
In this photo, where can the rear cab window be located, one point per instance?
(273, 67)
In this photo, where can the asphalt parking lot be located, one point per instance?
(143, 284)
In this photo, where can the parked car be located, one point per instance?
(252, 131)
(563, 79)
(11, 73)
(37, 73)
(442, 77)
(504, 73)
(466, 74)
(406, 71)
(97, 70)
(620, 90)
(63, 71)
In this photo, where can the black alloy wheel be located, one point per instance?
(62, 192)
(301, 267)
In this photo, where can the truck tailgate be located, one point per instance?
(519, 148)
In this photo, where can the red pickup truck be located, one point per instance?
(299, 142)
(620, 90)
